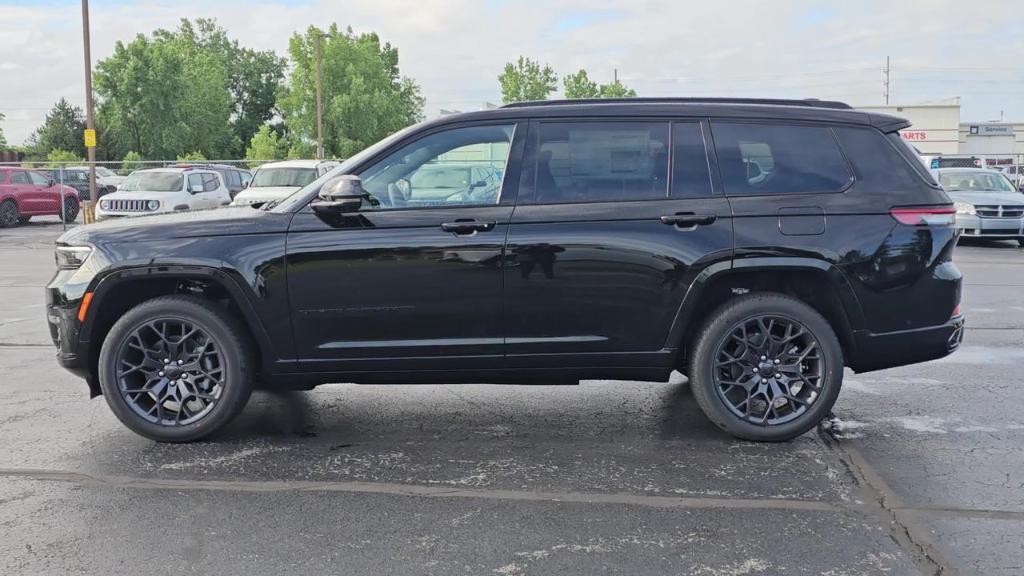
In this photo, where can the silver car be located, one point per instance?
(987, 204)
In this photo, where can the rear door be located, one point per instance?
(614, 222)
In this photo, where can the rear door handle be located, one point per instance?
(688, 220)
(467, 227)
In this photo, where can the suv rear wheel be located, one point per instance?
(175, 369)
(766, 367)
(9, 213)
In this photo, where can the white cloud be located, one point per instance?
(456, 48)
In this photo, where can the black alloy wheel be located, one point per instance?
(766, 367)
(176, 368)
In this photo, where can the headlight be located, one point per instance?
(71, 257)
(153, 205)
(105, 204)
(964, 208)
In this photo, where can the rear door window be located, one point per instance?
(233, 178)
(757, 159)
(601, 161)
(20, 177)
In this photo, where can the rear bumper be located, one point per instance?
(892, 349)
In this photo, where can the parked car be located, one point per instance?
(158, 190)
(987, 204)
(629, 239)
(27, 193)
(235, 178)
(106, 179)
(278, 180)
(437, 183)
(77, 179)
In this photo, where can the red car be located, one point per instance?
(24, 194)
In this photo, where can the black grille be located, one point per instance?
(1000, 211)
(128, 205)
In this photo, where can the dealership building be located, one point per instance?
(938, 130)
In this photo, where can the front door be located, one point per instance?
(614, 222)
(413, 279)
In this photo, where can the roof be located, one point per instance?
(296, 163)
(805, 110)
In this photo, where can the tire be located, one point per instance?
(719, 358)
(1020, 242)
(231, 385)
(23, 219)
(71, 208)
(9, 214)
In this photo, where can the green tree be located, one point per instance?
(131, 161)
(62, 130)
(266, 145)
(616, 90)
(184, 90)
(57, 155)
(579, 85)
(526, 80)
(365, 97)
(192, 157)
(3, 141)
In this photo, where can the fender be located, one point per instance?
(692, 300)
(104, 284)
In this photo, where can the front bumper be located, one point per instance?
(62, 306)
(971, 226)
(874, 351)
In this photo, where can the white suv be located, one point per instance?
(159, 190)
(278, 180)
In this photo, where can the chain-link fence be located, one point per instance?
(62, 188)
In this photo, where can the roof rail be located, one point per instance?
(807, 102)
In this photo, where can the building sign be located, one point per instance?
(991, 130)
(914, 135)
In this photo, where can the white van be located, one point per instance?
(159, 190)
(278, 180)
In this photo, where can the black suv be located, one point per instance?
(757, 246)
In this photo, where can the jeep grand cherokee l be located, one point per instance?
(757, 246)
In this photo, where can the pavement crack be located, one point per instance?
(902, 531)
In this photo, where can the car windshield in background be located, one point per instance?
(153, 182)
(293, 177)
(104, 172)
(975, 182)
(441, 177)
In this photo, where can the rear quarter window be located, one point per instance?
(878, 164)
(760, 159)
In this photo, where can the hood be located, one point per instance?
(264, 194)
(226, 221)
(988, 198)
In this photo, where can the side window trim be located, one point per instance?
(710, 160)
(850, 182)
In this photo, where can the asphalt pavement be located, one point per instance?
(920, 472)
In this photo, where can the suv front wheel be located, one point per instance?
(175, 368)
(766, 367)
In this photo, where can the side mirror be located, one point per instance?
(195, 188)
(245, 184)
(51, 183)
(340, 195)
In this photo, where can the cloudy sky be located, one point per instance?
(456, 48)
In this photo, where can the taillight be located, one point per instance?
(924, 215)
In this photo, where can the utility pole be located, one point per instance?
(319, 104)
(887, 71)
(90, 135)
(615, 75)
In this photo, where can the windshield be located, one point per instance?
(975, 182)
(441, 177)
(105, 172)
(294, 177)
(153, 182)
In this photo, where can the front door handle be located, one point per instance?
(688, 220)
(467, 227)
